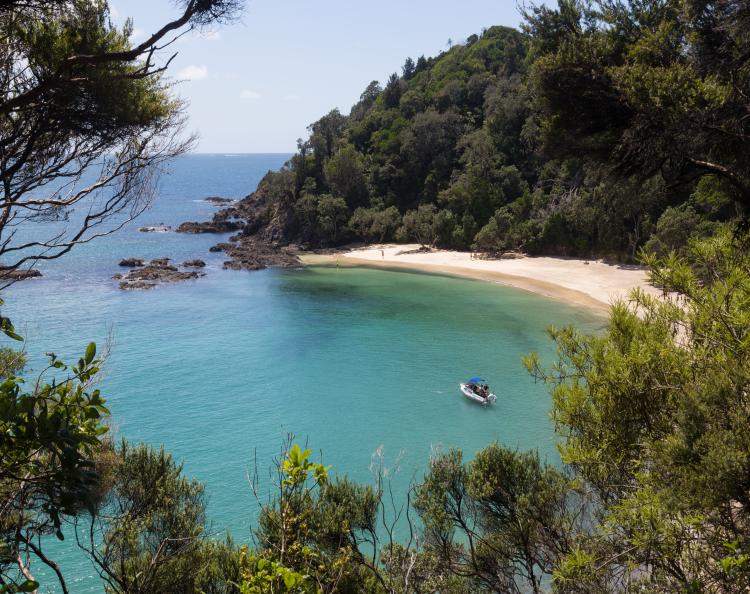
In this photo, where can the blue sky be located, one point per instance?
(255, 86)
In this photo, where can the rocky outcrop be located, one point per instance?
(219, 201)
(155, 229)
(264, 215)
(194, 263)
(17, 274)
(131, 262)
(155, 273)
(262, 239)
(219, 226)
(251, 254)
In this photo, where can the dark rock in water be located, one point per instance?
(194, 263)
(18, 273)
(217, 248)
(219, 201)
(251, 254)
(209, 227)
(156, 272)
(136, 285)
(243, 265)
(117, 276)
(132, 262)
(156, 229)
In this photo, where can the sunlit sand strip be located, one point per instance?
(590, 283)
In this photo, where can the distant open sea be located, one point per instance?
(220, 369)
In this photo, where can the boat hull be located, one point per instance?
(471, 395)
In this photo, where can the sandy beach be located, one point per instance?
(590, 283)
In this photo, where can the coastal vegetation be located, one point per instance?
(603, 127)
(651, 495)
(598, 129)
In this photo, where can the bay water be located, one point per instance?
(353, 362)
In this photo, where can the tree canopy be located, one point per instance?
(87, 120)
(590, 132)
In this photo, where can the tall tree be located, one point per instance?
(86, 121)
(654, 419)
(654, 88)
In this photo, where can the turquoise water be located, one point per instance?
(220, 370)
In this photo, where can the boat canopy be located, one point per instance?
(476, 380)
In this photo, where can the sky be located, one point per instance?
(255, 86)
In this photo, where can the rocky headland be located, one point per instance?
(262, 240)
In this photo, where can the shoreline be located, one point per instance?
(593, 284)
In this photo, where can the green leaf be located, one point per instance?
(13, 335)
(90, 352)
(28, 586)
(290, 580)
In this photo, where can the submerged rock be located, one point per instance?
(194, 263)
(136, 285)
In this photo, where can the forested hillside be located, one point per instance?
(590, 132)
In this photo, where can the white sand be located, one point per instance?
(584, 282)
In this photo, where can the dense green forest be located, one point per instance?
(603, 127)
(596, 130)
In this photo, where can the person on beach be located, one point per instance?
(382, 254)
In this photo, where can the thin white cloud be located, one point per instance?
(193, 72)
(248, 94)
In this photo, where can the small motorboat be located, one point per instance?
(477, 390)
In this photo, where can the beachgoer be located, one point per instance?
(382, 254)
